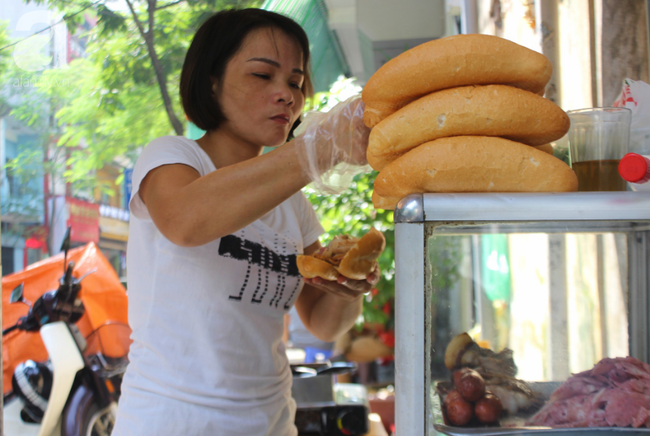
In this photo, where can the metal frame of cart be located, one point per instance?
(627, 212)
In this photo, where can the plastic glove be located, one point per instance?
(332, 145)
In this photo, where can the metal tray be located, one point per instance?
(514, 425)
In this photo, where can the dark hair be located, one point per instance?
(215, 43)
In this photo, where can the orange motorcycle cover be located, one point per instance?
(102, 293)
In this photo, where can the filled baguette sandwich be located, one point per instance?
(354, 258)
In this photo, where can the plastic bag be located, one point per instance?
(635, 96)
(332, 146)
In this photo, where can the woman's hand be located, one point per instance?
(345, 288)
(330, 308)
(324, 140)
(351, 135)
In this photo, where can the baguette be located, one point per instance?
(380, 202)
(546, 148)
(472, 164)
(492, 110)
(450, 62)
(354, 258)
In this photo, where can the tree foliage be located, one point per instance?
(4, 55)
(5, 63)
(124, 92)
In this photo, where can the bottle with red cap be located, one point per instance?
(635, 169)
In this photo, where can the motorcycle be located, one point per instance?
(75, 393)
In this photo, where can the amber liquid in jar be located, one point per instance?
(599, 175)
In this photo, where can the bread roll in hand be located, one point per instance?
(354, 258)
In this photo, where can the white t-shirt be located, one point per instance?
(207, 356)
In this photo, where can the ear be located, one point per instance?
(214, 85)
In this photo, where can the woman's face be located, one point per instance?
(260, 93)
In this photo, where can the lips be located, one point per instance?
(282, 118)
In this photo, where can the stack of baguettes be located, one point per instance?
(464, 114)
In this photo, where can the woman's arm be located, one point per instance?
(329, 309)
(191, 210)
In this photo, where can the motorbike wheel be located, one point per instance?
(83, 417)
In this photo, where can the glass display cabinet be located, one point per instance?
(559, 279)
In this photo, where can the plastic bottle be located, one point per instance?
(635, 169)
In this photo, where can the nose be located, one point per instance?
(284, 95)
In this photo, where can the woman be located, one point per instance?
(215, 228)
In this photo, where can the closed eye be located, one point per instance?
(262, 76)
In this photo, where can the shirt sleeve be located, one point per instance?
(310, 227)
(161, 151)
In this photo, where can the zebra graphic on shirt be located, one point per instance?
(268, 260)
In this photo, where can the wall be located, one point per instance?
(385, 20)
(598, 42)
(577, 55)
(624, 52)
(386, 28)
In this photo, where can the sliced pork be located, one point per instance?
(614, 393)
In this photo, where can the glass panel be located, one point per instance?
(557, 296)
